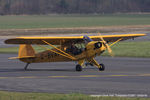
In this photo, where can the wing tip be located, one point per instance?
(6, 41)
(10, 41)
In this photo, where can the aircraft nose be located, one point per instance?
(103, 47)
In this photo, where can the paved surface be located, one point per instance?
(122, 76)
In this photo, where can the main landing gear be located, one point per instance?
(101, 67)
(78, 67)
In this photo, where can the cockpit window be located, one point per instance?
(76, 48)
(80, 45)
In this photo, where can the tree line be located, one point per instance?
(16, 7)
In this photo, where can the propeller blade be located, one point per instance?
(109, 50)
(107, 46)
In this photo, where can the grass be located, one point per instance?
(122, 49)
(9, 50)
(15, 49)
(47, 96)
(64, 21)
(131, 49)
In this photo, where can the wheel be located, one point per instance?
(102, 68)
(78, 68)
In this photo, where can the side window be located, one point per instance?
(76, 48)
(80, 45)
(83, 45)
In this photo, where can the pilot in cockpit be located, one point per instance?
(72, 49)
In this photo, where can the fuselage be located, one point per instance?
(90, 50)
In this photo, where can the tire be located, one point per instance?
(102, 68)
(78, 68)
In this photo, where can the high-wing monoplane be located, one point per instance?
(82, 49)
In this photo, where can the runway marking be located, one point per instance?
(79, 76)
(88, 76)
(119, 75)
(144, 75)
(27, 77)
(57, 76)
(3, 77)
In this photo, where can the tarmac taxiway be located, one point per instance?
(122, 76)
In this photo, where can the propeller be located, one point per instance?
(88, 39)
(107, 46)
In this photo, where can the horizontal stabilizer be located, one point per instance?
(21, 57)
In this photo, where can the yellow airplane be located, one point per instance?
(82, 49)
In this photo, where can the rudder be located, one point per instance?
(26, 50)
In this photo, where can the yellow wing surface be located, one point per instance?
(67, 39)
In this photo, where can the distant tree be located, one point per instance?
(72, 6)
(63, 5)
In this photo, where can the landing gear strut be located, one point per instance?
(86, 64)
(102, 68)
(25, 68)
(78, 67)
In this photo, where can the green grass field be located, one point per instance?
(47, 96)
(122, 49)
(131, 49)
(64, 21)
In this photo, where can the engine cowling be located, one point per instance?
(95, 48)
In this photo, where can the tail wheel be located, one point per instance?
(78, 67)
(102, 68)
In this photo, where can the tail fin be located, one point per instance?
(26, 50)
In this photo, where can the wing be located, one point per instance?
(113, 38)
(64, 40)
(39, 40)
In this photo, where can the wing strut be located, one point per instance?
(93, 61)
(55, 52)
(115, 42)
(65, 54)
